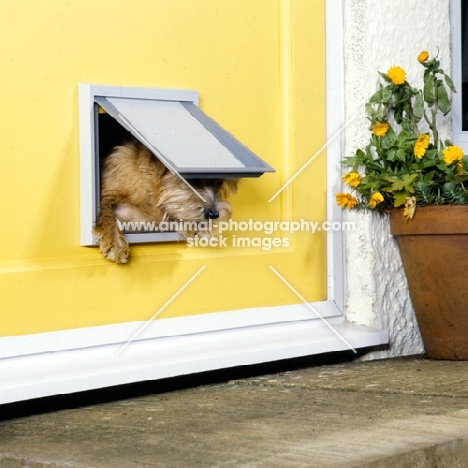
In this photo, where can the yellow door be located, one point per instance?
(259, 68)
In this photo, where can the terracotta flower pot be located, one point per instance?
(434, 252)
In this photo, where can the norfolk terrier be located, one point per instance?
(136, 186)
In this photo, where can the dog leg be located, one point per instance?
(112, 243)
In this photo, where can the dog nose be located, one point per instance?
(211, 214)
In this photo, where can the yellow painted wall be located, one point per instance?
(259, 69)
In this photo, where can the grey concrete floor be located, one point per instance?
(397, 413)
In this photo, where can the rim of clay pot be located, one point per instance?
(433, 219)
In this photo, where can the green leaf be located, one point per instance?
(404, 183)
(428, 178)
(423, 193)
(449, 187)
(403, 137)
(418, 108)
(443, 167)
(431, 153)
(429, 96)
(465, 163)
(389, 139)
(455, 194)
(449, 83)
(401, 154)
(386, 94)
(443, 102)
(375, 98)
(385, 77)
(391, 154)
(400, 198)
(383, 95)
(426, 163)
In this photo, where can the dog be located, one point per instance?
(137, 186)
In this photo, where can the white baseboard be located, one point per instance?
(85, 359)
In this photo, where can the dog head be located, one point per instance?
(214, 193)
(197, 200)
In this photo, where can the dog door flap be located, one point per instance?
(184, 138)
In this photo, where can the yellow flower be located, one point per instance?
(397, 75)
(423, 56)
(451, 154)
(345, 200)
(380, 129)
(375, 199)
(421, 145)
(353, 179)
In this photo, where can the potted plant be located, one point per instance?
(421, 182)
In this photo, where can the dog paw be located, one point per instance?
(117, 255)
(115, 250)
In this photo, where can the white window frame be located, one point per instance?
(459, 137)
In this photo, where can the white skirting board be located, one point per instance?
(35, 366)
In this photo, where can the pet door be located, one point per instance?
(170, 124)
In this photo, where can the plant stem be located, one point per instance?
(434, 114)
(434, 125)
(433, 121)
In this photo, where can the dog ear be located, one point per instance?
(230, 186)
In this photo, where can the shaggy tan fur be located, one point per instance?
(136, 186)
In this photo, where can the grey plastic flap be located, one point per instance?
(184, 138)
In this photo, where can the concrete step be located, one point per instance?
(397, 413)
